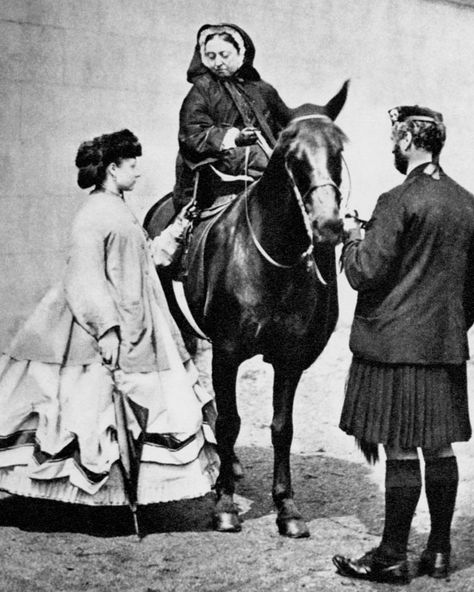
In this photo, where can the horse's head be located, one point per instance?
(312, 147)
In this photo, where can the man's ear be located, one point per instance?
(407, 141)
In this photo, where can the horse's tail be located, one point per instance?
(369, 450)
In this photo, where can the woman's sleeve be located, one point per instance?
(199, 137)
(87, 291)
(280, 110)
(369, 261)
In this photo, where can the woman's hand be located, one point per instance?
(247, 137)
(109, 345)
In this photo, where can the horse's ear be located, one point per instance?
(334, 106)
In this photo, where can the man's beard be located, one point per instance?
(401, 161)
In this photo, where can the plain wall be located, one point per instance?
(73, 69)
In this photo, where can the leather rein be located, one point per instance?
(300, 200)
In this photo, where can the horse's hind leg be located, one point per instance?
(224, 376)
(289, 520)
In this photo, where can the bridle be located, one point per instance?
(300, 199)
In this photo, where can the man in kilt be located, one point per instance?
(414, 273)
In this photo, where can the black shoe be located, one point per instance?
(373, 567)
(434, 564)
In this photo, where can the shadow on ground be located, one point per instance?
(323, 486)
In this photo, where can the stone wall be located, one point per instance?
(72, 69)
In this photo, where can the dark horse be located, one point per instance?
(258, 287)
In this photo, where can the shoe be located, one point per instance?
(373, 567)
(434, 564)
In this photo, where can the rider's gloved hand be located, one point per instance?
(246, 137)
(189, 212)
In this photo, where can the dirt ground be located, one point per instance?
(52, 547)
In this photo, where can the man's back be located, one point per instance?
(412, 298)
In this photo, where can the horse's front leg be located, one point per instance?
(289, 520)
(224, 376)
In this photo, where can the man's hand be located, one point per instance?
(352, 221)
(109, 348)
(246, 137)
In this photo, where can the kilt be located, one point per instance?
(406, 405)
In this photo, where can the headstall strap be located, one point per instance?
(307, 221)
(327, 118)
(309, 251)
(314, 116)
(349, 189)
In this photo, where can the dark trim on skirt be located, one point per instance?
(406, 405)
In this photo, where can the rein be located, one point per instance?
(300, 200)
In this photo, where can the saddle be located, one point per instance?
(194, 245)
(190, 256)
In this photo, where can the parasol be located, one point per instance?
(131, 420)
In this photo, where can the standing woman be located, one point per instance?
(226, 104)
(107, 320)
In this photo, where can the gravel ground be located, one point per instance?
(52, 547)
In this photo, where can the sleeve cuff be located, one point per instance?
(353, 235)
(228, 141)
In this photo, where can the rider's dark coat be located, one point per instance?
(414, 272)
(207, 113)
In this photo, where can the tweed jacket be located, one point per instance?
(110, 281)
(414, 273)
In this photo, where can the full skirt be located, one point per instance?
(58, 436)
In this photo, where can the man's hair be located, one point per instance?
(428, 135)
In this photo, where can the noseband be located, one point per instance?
(324, 182)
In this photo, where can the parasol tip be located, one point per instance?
(136, 526)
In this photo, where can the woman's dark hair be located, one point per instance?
(94, 156)
(226, 37)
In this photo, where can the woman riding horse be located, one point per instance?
(226, 104)
(262, 280)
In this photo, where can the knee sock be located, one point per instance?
(441, 484)
(402, 492)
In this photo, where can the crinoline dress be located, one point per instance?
(57, 422)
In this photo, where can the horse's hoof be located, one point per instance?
(227, 522)
(295, 528)
(237, 469)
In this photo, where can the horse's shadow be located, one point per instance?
(325, 487)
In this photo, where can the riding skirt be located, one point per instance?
(406, 405)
